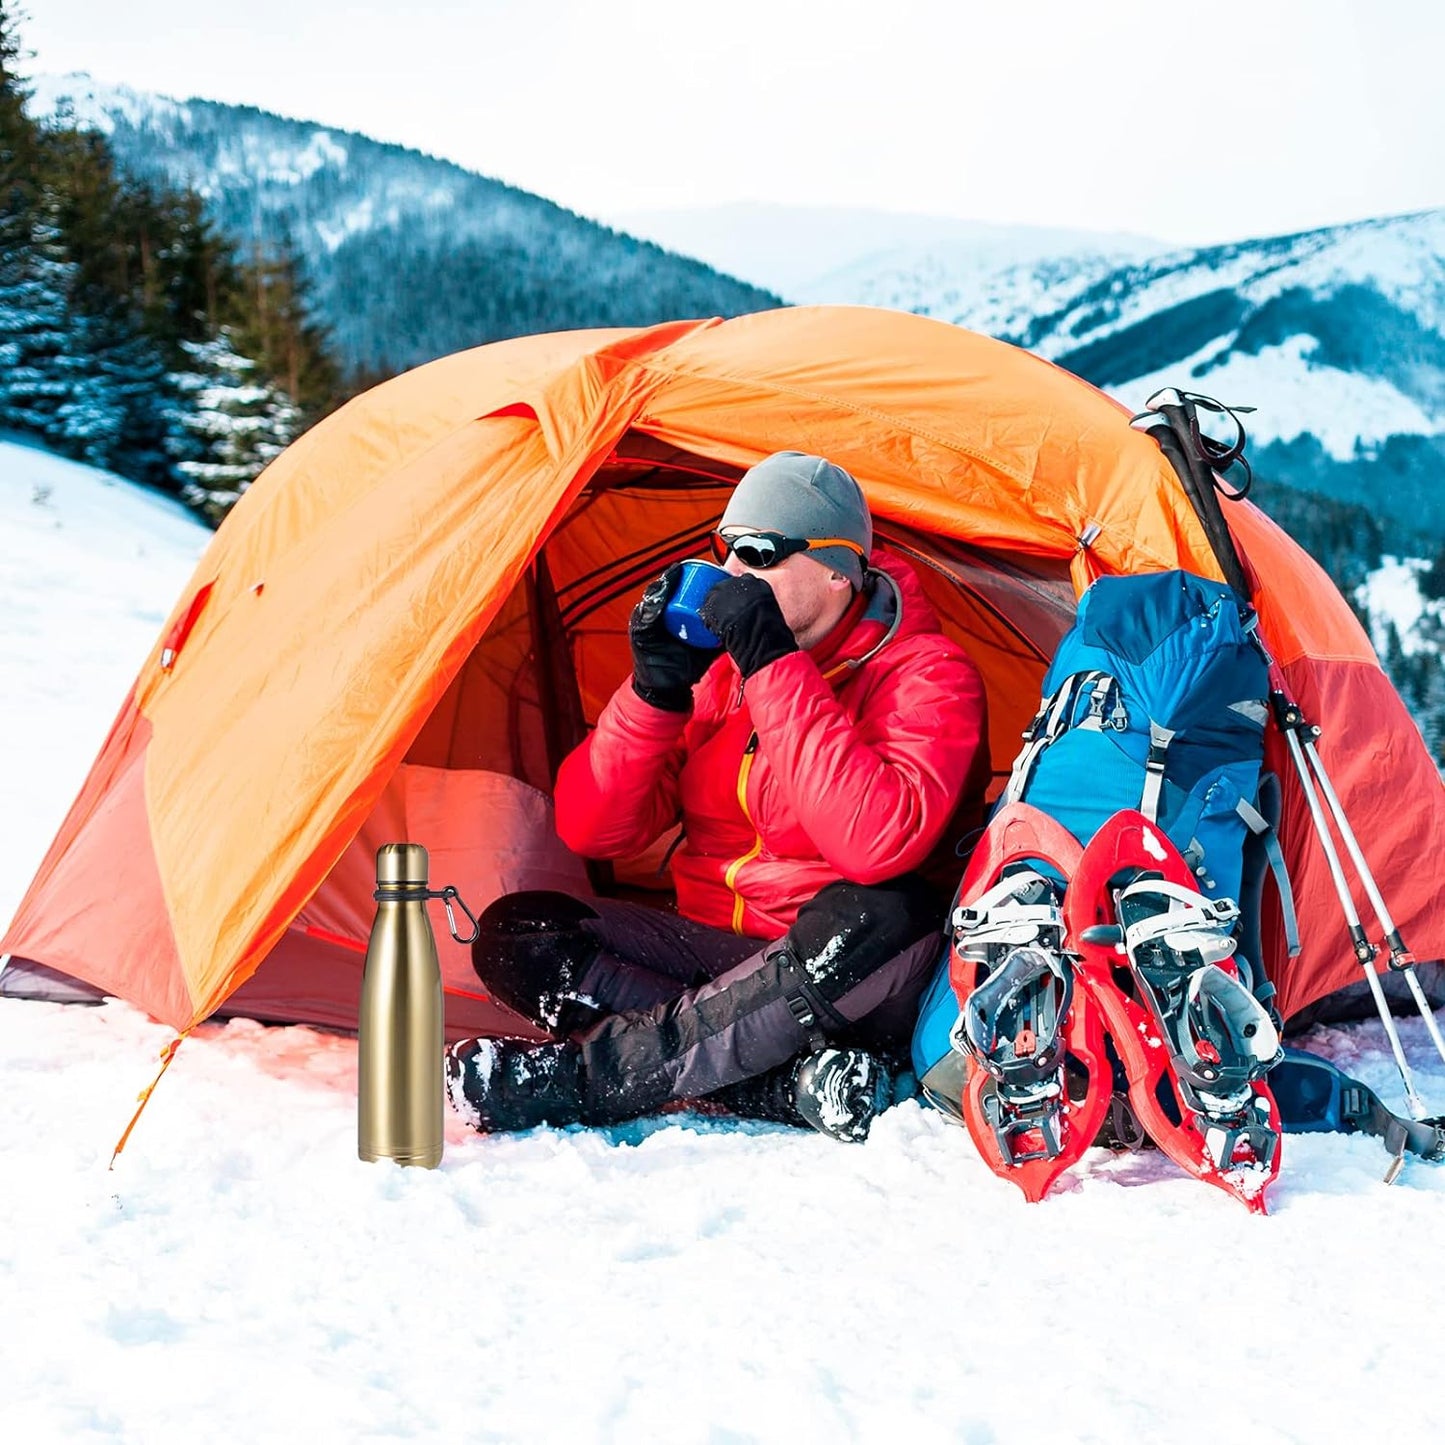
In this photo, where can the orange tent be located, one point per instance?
(419, 607)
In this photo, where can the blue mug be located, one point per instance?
(680, 616)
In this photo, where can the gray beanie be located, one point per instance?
(805, 496)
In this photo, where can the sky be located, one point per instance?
(1190, 124)
(240, 1275)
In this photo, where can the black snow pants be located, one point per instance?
(664, 1008)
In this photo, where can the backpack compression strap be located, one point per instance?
(1261, 827)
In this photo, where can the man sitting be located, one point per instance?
(814, 765)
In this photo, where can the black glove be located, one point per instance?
(744, 614)
(663, 669)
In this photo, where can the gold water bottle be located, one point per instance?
(399, 1104)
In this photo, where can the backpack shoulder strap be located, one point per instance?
(1051, 719)
(1159, 740)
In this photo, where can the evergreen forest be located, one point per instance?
(133, 336)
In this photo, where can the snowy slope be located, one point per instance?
(1338, 332)
(1392, 594)
(90, 567)
(240, 1275)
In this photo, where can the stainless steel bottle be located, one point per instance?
(399, 1104)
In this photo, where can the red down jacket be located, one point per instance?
(846, 761)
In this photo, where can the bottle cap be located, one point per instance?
(400, 863)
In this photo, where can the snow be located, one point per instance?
(322, 150)
(360, 217)
(239, 1274)
(1391, 593)
(90, 568)
(98, 104)
(815, 254)
(1402, 256)
(1345, 410)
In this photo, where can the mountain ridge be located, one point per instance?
(1336, 335)
(411, 256)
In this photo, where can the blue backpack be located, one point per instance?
(1156, 699)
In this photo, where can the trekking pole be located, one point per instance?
(1292, 723)
(1402, 961)
(1199, 461)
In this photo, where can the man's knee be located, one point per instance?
(850, 930)
(532, 949)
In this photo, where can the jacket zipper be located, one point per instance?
(735, 867)
(730, 876)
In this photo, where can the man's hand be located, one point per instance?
(663, 669)
(744, 613)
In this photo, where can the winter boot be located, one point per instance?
(506, 1084)
(838, 1092)
(841, 1091)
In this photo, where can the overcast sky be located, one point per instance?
(1188, 122)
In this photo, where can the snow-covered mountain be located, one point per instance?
(1336, 336)
(873, 258)
(411, 257)
(1337, 332)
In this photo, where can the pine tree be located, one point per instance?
(1431, 581)
(273, 322)
(35, 342)
(131, 336)
(35, 277)
(233, 421)
(17, 133)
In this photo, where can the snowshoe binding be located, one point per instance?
(1012, 1024)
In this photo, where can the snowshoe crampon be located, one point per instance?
(1155, 959)
(1037, 1082)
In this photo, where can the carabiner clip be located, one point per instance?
(447, 895)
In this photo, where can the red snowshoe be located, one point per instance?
(1038, 1081)
(1129, 949)
(1155, 958)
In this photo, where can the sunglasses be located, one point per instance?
(760, 550)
